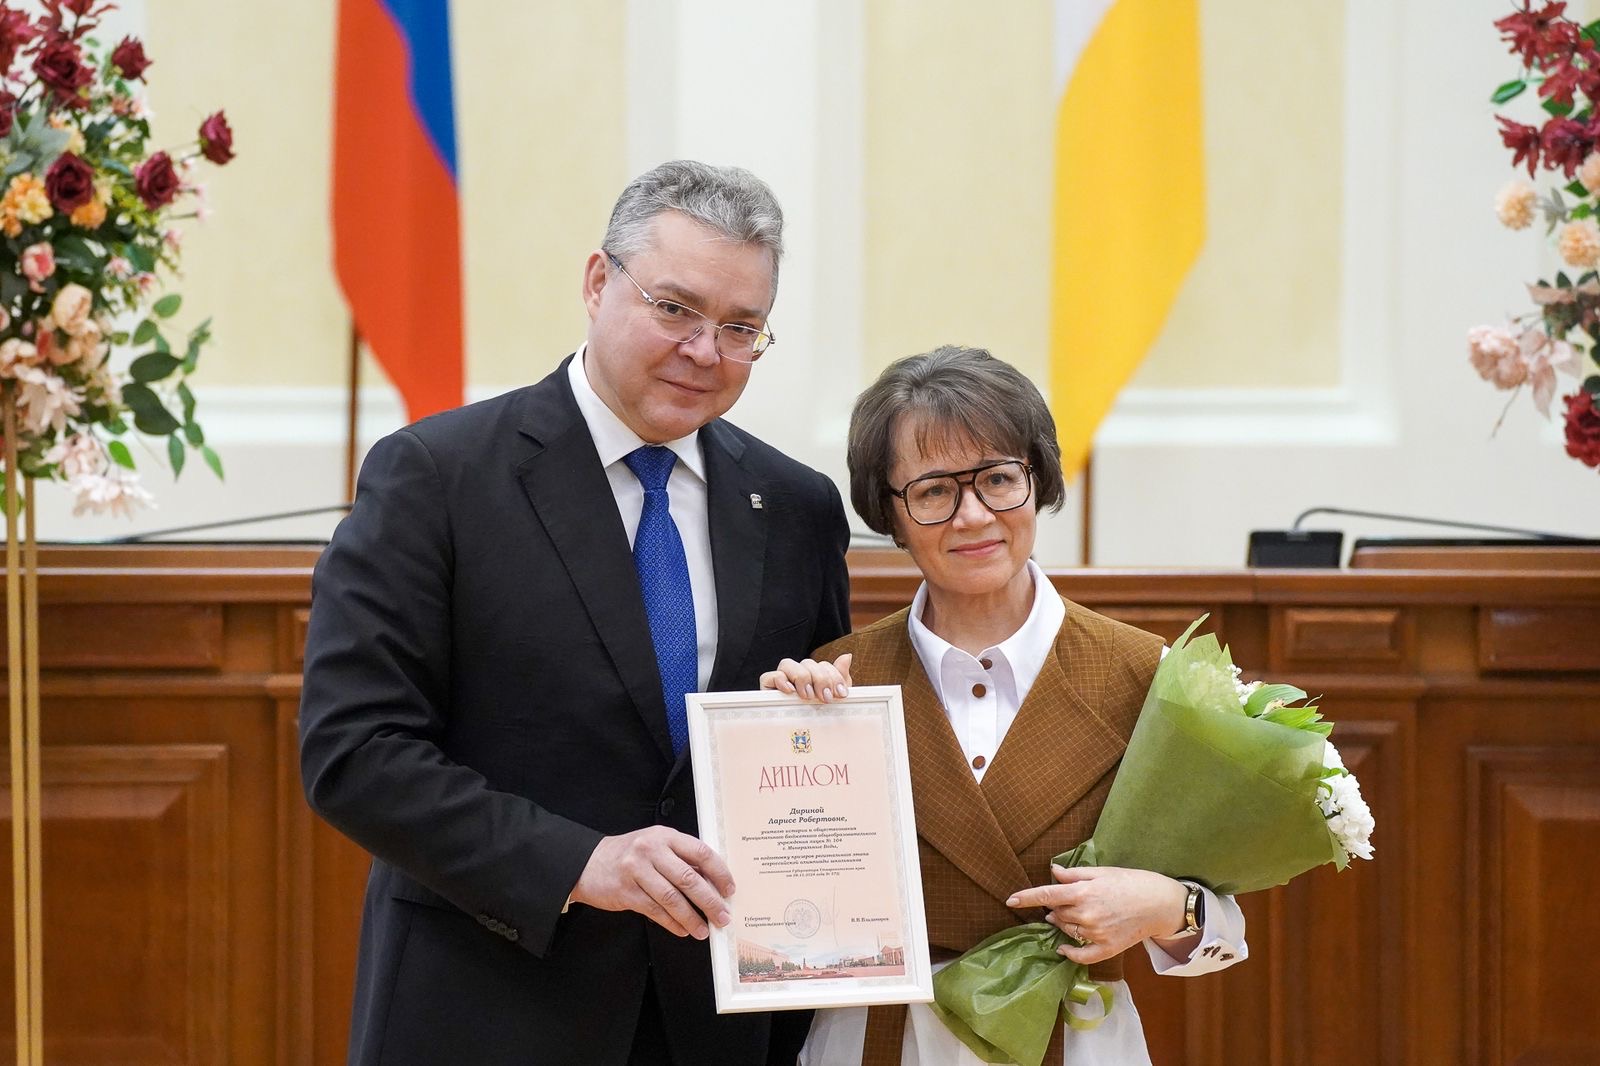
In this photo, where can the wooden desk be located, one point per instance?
(196, 912)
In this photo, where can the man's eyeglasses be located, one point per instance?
(681, 324)
(936, 498)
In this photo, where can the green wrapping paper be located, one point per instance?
(1204, 792)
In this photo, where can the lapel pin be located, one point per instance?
(755, 501)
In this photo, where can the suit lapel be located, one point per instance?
(952, 814)
(1058, 747)
(738, 549)
(567, 486)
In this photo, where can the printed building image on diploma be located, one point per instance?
(807, 820)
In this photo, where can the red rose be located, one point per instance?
(1566, 144)
(69, 182)
(60, 66)
(129, 58)
(1583, 428)
(8, 112)
(156, 181)
(216, 139)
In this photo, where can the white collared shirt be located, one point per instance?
(686, 491)
(982, 693)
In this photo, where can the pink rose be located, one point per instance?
(38, 263)
(71, 307)
(14, 354)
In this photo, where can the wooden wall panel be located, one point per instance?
(1533, 812)
(135, 884)
(197, 911)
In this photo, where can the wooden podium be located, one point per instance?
(197, 912)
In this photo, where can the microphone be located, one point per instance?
(1321, 548)
(152, 534)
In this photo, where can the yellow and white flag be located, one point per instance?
(1129, 197)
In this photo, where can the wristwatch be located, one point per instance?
(1194, 910)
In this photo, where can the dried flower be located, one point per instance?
(1514, 204)
(1580, 243)
(1496, 356)
(116, 492)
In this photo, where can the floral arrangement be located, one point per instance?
(1233, 785)
(1561, 335)
(86, 206)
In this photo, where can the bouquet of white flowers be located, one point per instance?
(1228, 784)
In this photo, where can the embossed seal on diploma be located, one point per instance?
(802, 918)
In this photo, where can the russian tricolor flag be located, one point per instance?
(396, 224)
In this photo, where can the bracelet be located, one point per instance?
(1192, 910)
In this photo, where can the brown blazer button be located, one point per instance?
(986, 664)
(978, 690)
(978, 762)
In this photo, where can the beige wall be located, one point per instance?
(262, 266)
(1261, 307)
(959, 126)
(540, 128)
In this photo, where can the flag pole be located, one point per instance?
(1086, 513)
(353, 415)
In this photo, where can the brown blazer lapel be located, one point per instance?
(952, 815)
(1059, 747)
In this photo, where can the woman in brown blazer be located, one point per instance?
(1018, 705)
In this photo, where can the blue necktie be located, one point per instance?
(664, 580)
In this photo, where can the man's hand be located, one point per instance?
(661, 873)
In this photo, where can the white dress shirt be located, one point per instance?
(980, 724)
(686, 491)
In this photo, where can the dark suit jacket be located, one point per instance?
(482, 704)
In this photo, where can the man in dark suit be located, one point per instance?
(501, 633)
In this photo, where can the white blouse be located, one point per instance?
(980, 723)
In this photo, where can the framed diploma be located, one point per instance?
(810, 805)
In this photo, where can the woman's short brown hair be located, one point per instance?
(952, 392)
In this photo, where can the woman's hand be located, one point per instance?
(810, 679)
(1110, 909)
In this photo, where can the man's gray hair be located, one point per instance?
(729, 200)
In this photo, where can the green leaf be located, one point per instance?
(142, 259)
(1591, 384)
(1265, 694)
(1575, 187)
(175, 454)
(1557, 108)
(1583, 211)
(146, 332)
(120, 454)
(1508, 91)
(168, 305)
(149, 416)
(1562, 282)
(193, 431)
(161, 345)
(1592, 31)
(212, 461)
(186, 398)
(153, 367)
